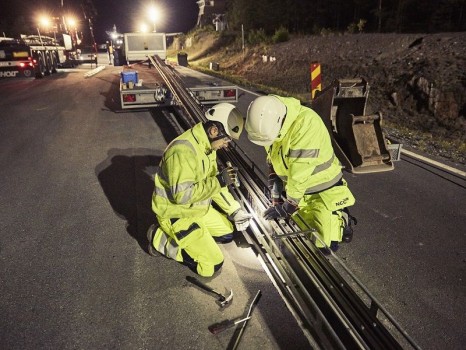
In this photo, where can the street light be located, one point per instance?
(45, 22)
(72, 27)
(154, 16)
(71, 22)
(143, 28)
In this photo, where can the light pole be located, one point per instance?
(45, 23)
(143, 28)
(153, 15)
(72, 26)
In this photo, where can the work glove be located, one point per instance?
(280, 211)
(241, 219)
(228, 176)
(276, 201)
(275, 185)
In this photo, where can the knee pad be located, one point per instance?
(218, 267)
(224, 239)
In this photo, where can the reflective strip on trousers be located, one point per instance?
(168, 246)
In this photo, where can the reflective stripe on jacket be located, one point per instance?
(185, 182)
(302, 155)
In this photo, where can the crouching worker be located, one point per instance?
(187, 183)
(303, 165)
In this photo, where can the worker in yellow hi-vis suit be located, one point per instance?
(304, 166)
(186, 184)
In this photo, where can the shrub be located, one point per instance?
(257, 37)
(281, 35)
(356, 27)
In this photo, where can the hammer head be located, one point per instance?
(225, 300)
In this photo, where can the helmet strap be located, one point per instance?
(221, 130)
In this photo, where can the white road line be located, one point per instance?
(433, 162)
(94, 71)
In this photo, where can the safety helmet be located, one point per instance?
(230, 118)
(264, 120)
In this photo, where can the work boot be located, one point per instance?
(347, 234)
(325, 251)
(348, 221)
(334, 246)
(150, 237)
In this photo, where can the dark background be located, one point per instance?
(296, 16)
(176, 15)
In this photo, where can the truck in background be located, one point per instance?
(32, 56)
(139, 45)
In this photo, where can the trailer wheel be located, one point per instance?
(39, 67)
(42, 68)
(54, 62)
(48, 63)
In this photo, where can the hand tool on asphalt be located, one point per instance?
(221, 326)
(223, 300)
(248, 316)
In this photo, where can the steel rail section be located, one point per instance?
(331, 312)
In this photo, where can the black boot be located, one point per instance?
(348, 221)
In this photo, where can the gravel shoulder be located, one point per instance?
(417, 81)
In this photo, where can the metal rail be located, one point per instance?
(330, 310)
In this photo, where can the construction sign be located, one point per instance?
(316, 81)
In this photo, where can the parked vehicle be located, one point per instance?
(31, 56)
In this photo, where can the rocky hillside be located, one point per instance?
(418, 82)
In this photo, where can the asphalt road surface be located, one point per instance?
(76, 182)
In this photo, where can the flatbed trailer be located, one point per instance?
(141, 86)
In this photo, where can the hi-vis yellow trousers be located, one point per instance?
(191, 240)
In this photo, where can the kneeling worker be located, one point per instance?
(302, 164)
(186, 183)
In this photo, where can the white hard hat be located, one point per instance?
(229, 116)
(265, 119)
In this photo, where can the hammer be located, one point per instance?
(222, 299)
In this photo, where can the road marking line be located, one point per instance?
(94, 71)
(433, 162)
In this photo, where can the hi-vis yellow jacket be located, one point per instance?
(185, 182)
(302, 155)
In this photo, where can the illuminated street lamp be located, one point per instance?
(71, 22)
(143, 28)
(44, 22)
(154, 16)
(73, 30)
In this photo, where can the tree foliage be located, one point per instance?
(313, 16)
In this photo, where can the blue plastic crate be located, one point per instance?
(128, 76)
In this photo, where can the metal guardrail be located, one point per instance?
(334, 311)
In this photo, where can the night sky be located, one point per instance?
(176, 15)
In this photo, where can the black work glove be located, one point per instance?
(280, 211)
(275, 185)
(228, 176)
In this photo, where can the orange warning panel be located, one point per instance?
(316, 81)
